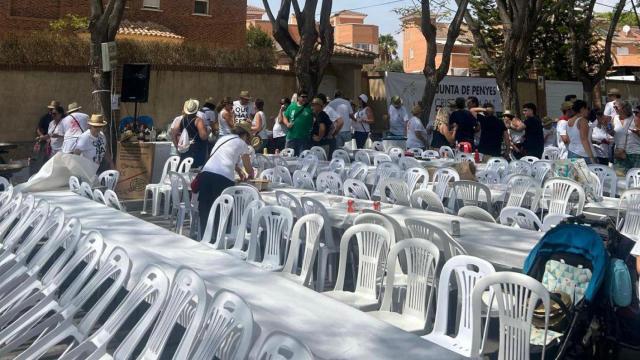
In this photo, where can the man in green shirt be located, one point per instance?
(299, 119)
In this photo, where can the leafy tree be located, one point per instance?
(258, 39)
(70, 23)
(388, 48)
(393, 66)
(627, 18)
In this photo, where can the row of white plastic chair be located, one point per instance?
(108, 198)
(162, 190)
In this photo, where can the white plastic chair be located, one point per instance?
(358, 171)
(282, 174)
(363, 157)
(416, 175)
(608, 178)
(279, 345)
(552, 220)
(396, 153)
(268, 174)
(356, 189)
(424, 230)
(262, 162)
(394, 191)
(442, 179)
(522, 191)
(488, 177)
(311, 225)
(460, 157)
(372, 239)
(185, 165)
(287, 152)
(520, 167)
(628, 219)
(109, 179)
(242, 196)
(416, 152)
(98, 196)
(111, 200)
(308, 164)
(430, 154)
(243, 233)
(529, 159)
(221, 208)
(329, 182)
(517, 296)
(633, 178)
(228, 329)
(407, 162)
(303, 180)
(563, 196)
(498, 164)
(276, 223)
(4, 183)
(341, 154)
(377, 146)
(181, 205)
(337, 166)
(384, 221)
(285, 199)
(422, 258)
(469, 193)
(540, 170)
(426, 200)
(551, 153)
(161, 190)
(476, 213)
(279, 161)
(384, 171)
(74, 184)
(467, 270)
(319, 152)
(380, 158)
(521, 218)
(446, 152)
(86, 190)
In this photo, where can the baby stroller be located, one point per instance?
(571, 262)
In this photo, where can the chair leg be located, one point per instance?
(144, 201)
(322, 270)
(167, 203)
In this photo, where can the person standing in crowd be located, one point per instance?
(279, 129)
(243, 109)
(336, 124)
(197, 131)
(322, 124)
(218, 172)
(92, 144)
(580, 133)
(533, 144)
(473, 104)
(626, 126)
(609, 109)
(364, 119)
(259, 124)
(516, 137)
(73, 125)
(210, 116)
(561, 128)
(602, 138)
(398, 117)
(493, 132)
(346, 113)
(465, 121)
(549, 132)
(416, 132)
(299, 119)
(442, 135)
(55, 135)
(43, 129)
(226, 117)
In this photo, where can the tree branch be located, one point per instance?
(115, 18)
(452, 36)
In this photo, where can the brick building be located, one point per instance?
(351, 31)
(415, 47)
(219, 23)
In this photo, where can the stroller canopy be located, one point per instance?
(574, 239)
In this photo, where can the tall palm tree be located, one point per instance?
(388, 48)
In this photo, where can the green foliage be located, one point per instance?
(627, 18)
(258, 39)
(70, 23)
(392, 66)
(388, 48)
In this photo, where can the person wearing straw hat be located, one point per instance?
(45, 120)
(609, 109)
(398, 117)
(73, 125)
(197, 131)
(219, 171)
(243, 108)
(210, 116)
(92, 144)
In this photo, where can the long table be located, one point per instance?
(331, 329)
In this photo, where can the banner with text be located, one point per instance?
(410, 88)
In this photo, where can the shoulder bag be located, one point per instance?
(195, 183)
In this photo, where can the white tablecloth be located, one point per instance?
(331, 329)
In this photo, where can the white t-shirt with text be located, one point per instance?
(243, 112)
(92, 148)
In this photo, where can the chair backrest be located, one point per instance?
(311, 225)
(595, 184)
(109, 179)
(329, 182)
(520, 217)
(563, 196)
(319, 152)
(407, 162)
(268, 174)
(86, 190)
(111, 200)
(446, 151)
(98, 196)
(246, 222)
(552, 220)
(497, 163)
(228, 329)
(180, 195)
(469, 193)
(262, 162)
(522, 190)
(281, 346)
(628, 220)
(377, 146)
(287, 152)
(341, 154)
(16, 213)
(441, 179)
(467, 270)
(476, 213)
(185, 165)
(608, 178)
(424, 230)
(551, 153)
(32, 229)
(4, 183)
(416, 152)
(520, 167)
(378, 219)
(221, 209)
(386, 170)
(540, 170)
(284, 198)
(422, 258)
(529, 159)
(633, 178)
(358, 171)
(416, 175)
(337, 165)
(517, 296)
(282, 174)
(430, 154)
(489, 176)
(242, 196)
(303, 180)
(394, 191)
(396, 153)
(313, 206)
(372, 240)
(172, 164)
(461, 156)
(363, 157)
(381, 158)
(276, 223)
(74, 184)
(309, 164)
(426, 200)
(186, 305)
(356, 189)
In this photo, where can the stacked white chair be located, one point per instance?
(109, 179)
(319, 152)
(286, 199)
(74, 184)
(563, 196)
(426, 200)
(111, 200)
(4, 183)
(98, 196)
(416, 175)
(310, 226)
(628, 219)
(242, 197)
(242, 235)
(276, 223)
(329, 182)
(329, 248)
(221, 209)
(181, 205)
(303, 180)
(523, 191)
(279, 345)
(521, 218)
(394, 191)
(337, 166)
(86, 190)
(385, 171)
(381, 158)
(356, 189)
(540, 170)
(633, 178)
(363, 157)
(282, 174)
(162, 189)
(341, 154)
(442, 179)
(608, 178)
(358, 171)
(309, 164)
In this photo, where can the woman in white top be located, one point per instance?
(364, 118)
(279, 129)
(259, 123)
(55, 133)
(219, 171)
(601, 138)
(580, 133)
(92, 144)
(416, 132)
(226, 118)
(626, 126)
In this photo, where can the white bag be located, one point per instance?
(184, 142)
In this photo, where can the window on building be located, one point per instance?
(201, 7)
(151, 4)
(411, 55)
(622, 51)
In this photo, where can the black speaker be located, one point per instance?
(135, 82)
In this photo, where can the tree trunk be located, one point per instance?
(587, 89)
(508, 85)
(102, 86)
(430, 91)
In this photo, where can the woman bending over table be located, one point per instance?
(218, 173)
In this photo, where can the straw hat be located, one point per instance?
(508, 113)
(245, 126)
(567, 105)
(613, 91)
(191, 107)
(73, 107)
(547, 121)
(317, 101)
(97, 120)
(244, 94)
(54, 104)
(396, 100)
